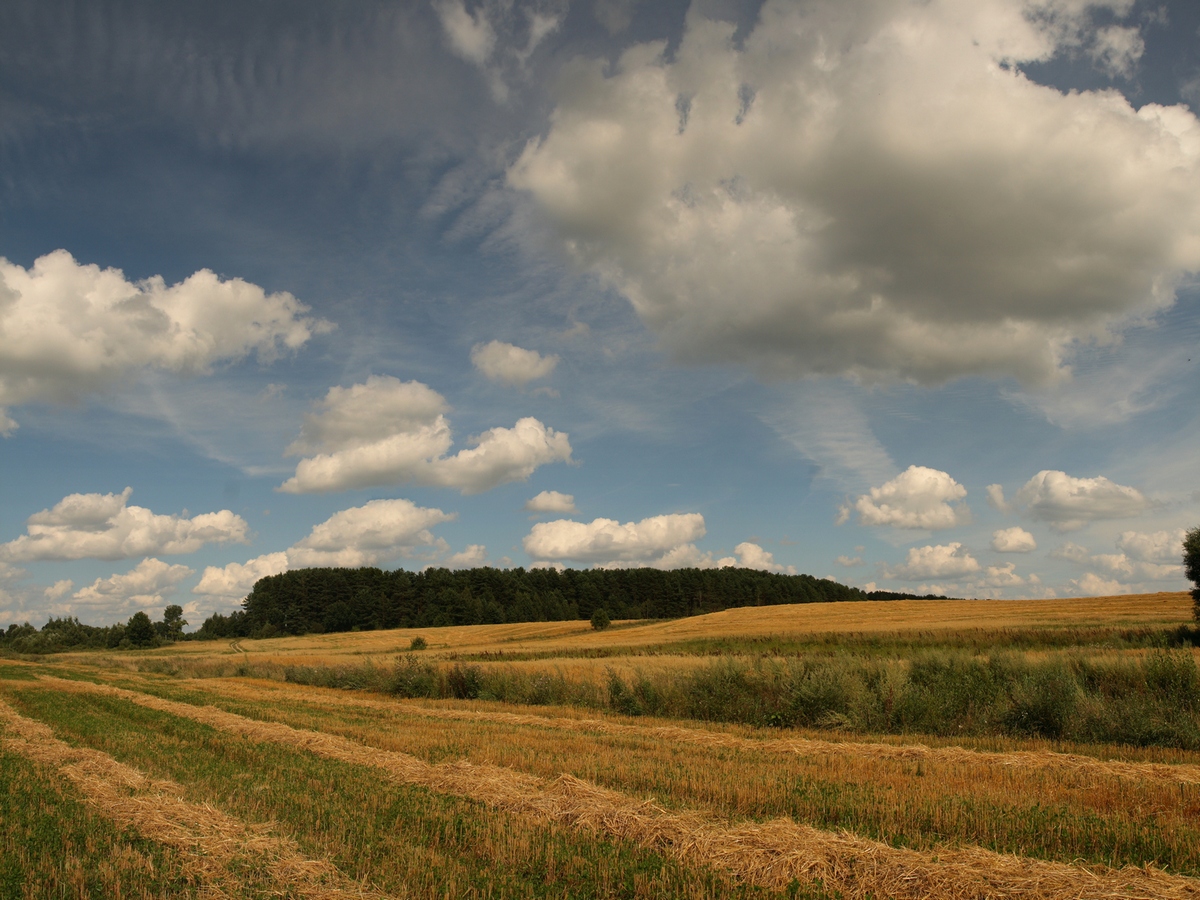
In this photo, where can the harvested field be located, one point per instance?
(552, 760)
(772, 854)
(908, 752)
(215, 845)
(775, 622)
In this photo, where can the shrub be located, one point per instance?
(1044, 702)
(418, 643)
(600, 619)
(464, 682)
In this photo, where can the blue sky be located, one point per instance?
(903, 294)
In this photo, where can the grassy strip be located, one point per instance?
(1151, 701)
(52, 845)
(406, 840)
(1046, 805)
(770, 853)
(876, 644)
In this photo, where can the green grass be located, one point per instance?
(52, 845)
(401, 839)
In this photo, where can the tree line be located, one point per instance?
(68, 633)
(306, 601)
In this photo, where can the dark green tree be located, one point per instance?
(600, 619)
(173, 622)
(1191, 566)
(140, 630)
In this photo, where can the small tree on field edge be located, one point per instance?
(600, 619)
(140, 630)
(1191, 566)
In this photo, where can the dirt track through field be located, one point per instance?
(211, 840)
(771, 854)
(1020, 759)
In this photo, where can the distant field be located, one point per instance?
(167, 773)
(780, 624)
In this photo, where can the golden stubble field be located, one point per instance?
(574, 640)
(119, 781)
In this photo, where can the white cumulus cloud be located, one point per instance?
(470, 35)
(1005, 576)
(234, 581)
(919, 497)
(551, 501)
(951, 560)
(473, 556)
(1013, 540)
(68, 330)
(1141, 558)
(1163, 547)
(607, 540)
(386, 431)
(1068, 503)
(364, 535)
(104, 526)
(507, 363)
(1093, 585)
(752, 556)
(875, 191)
(146, 586)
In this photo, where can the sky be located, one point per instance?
(899, 293)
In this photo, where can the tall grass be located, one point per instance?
(1152, 701)
(1149, 701)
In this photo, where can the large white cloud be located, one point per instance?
(146, 586)
(919, 497)
(951, 560)
(1161, 547)
(753, 556)
(1068, 503)
(874, 190)
(510, 364)
(386, 431)
(607, 540)
(364, 535)
(1142, 558)
(1013, 540)
(235, 581)
(68, 330)
(104, 526)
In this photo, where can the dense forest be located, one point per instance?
(316, 600)
(309, 601)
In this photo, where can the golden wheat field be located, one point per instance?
(227, 770)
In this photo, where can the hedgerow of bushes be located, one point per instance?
(1152, 701)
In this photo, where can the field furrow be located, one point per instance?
(772, 854)
(215, 844)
